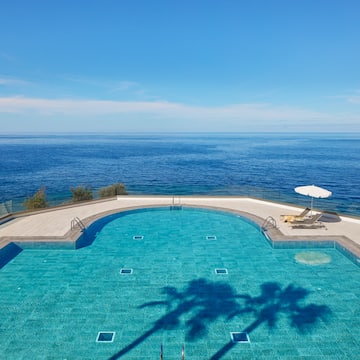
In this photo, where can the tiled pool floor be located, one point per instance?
(54, 302)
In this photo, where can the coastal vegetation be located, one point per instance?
(81, 193)
(37, 201)
(113, 190)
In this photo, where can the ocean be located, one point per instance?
(267, 166)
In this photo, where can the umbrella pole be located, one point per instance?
(312, 203)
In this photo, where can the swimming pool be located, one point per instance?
(54, 303)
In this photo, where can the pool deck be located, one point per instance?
(54, 225)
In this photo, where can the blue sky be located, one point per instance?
(179, 65)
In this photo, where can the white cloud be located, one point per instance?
(81, 107)
(354, 99)
(7, 56)
(101, 107)
(166, 116)
(109, 85)
(125, 85)
(12, 81)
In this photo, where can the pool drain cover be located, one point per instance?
(240, 337)
(126, 271)
(105, 336)
(221, 271)
(312, 258)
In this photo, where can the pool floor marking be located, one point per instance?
(126, 271)
(240, 337)
(105, 336)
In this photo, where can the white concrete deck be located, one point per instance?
(54, 224)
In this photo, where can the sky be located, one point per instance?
(179, 66)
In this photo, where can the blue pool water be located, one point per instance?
(54, 303)
(261, 165)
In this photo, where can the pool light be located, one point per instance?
(240, 337)
(126, 271)
(106, 336)
(221, 271)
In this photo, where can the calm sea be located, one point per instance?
(264, 165)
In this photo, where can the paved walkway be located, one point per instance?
(55, 224)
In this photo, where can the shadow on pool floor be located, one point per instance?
(206, 301)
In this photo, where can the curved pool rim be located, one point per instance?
(97, 223)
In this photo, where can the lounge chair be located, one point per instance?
(292, 218)
(308, 223)
(330, 217)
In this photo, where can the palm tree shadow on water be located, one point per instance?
(206, 301)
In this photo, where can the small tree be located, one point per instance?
(37, 201)
(81, 193)
(112, 190)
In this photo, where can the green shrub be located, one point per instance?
(81, 193)
(112, 190)
(37, 201)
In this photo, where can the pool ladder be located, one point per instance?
(77, 222)
(182, 352)
(269, 222)
(176, 205)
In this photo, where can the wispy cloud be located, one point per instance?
(124, 85)
(9, 81)
(355, 99)
(110, 86)
(80, 107)
(90, 107)
(169, 116)
(7, 56)
(352, 98)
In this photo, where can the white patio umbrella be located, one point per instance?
(314, 192)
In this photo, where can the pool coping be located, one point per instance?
(250, 208)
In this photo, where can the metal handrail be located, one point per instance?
(178, 203)
(269, 221)
(77, 222)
